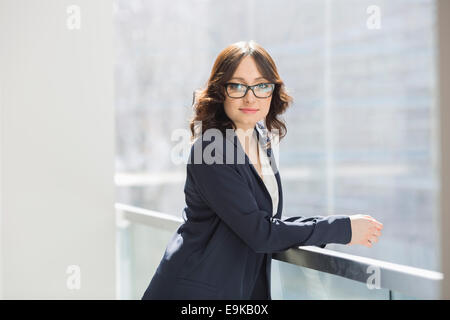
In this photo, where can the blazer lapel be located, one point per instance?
(273, 164)
(274, 168)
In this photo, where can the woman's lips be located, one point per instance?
(249, 110)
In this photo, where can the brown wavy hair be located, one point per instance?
(208, 102)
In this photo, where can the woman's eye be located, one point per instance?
(262, 85)
(236, 86)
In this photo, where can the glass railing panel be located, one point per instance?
(401, 296)
(292, 282)
(142, 236)
(140, 249)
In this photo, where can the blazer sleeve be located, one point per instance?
(305, 219)
(226, 192)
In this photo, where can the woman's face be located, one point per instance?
(247, 73)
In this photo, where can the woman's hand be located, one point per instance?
(365, 230)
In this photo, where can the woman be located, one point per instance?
(232, 221)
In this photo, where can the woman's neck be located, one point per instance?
(246, 138)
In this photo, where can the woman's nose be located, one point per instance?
(249, 97)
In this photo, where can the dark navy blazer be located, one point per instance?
(229, 234)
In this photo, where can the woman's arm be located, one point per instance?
(227, 193)
(305, 219)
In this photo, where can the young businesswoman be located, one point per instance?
(232, 219)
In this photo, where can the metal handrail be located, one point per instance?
(411, 281)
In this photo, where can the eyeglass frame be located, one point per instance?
(249, 87)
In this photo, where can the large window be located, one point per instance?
(361, 132)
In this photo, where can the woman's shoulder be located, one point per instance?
(211, 148)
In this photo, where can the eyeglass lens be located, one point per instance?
(237, 90)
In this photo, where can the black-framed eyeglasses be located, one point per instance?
(239, 90)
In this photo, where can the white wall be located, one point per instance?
(57, 150)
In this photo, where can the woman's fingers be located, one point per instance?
(376, 233)
(372, 238)
(375, 230)
(374, 222)
(377, 224)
